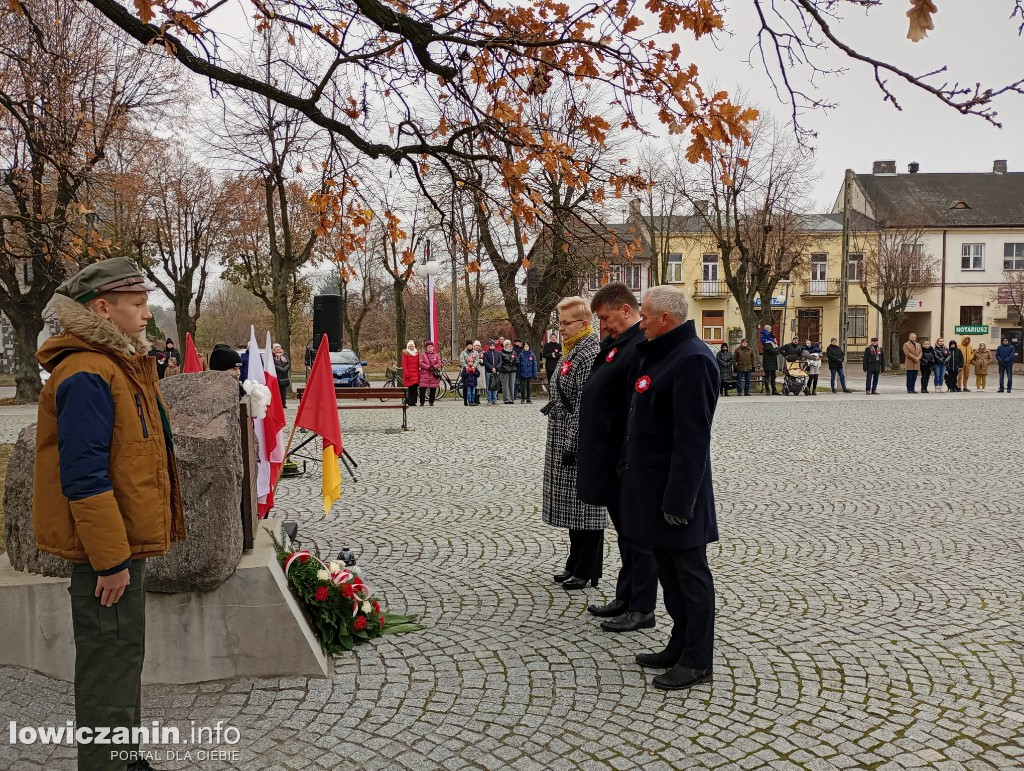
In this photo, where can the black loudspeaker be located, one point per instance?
(327, 320)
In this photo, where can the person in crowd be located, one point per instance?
(561, 506)
(770, 365)
(726, 366)
(873, 363)
(792, 349)
(411, 372)
(1005, 355)
(527, 371)
(604, 408)
(507, 371)
(836, 357)
(478, 352)
(492, 369)
(467, 353)
(157, 352)
(768, 336)
(282, 371)
(982, 361)
(172, 352)
(172, 367)
(669, 503)
(107, 494)
(224, 358)
(430, 373)
(967, 351)
(551, 353)
(941, 356)
(811, 353)
(517, 348)
(927, 363)
(470, 377)
(956, 365)
(744, 357)
(912, 361)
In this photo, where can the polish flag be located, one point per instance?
(273, 427)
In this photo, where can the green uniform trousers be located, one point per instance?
(109, 649)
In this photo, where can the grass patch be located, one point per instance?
(5, 457)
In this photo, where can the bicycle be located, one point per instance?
(447, 384)
(392, 379)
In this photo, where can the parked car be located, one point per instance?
(347, 369)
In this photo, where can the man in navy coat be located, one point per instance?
(603, 412)
(667, 499)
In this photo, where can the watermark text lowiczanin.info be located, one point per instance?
(154, 733)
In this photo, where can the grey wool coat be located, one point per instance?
(561, 506)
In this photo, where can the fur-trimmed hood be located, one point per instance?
(84, 331)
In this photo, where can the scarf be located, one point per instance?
(571, 342)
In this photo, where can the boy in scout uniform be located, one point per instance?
(106, 488)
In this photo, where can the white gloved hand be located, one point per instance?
(258, 396)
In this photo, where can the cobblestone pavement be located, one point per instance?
(870, 605)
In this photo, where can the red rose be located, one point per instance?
(303, 558)
(347, 591)
(642, 384)
(360, 623)
(382, 622)
(376, 607)
(321, 593)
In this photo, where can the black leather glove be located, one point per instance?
(568, 459)
(673, 519)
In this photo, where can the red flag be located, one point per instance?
(192, 363)
(318, 412)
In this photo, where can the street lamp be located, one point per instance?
(427, 270)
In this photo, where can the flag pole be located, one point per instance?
(287, 447)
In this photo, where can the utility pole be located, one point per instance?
(844, 280)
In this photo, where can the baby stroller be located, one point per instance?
(795, 376)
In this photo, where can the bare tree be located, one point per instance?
(659, 205)
(897, 268)
(751, 203)
(68, 86)
(1012, 293)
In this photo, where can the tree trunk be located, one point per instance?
(751, 323)
(184, 322)
(400, 319)
(282, 307)
(26, 336)
(891, 339)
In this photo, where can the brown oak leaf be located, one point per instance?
(920, 15)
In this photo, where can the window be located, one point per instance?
(27, 273)
(709, 268)
(972, 257)
(970, 315)
(819, 267)
(614, 273)
(595, 279)
(1013, 256)
(855, 266)
(916, 250)
(857, 321)
(675, 269)
(714, 326)
(632, 276)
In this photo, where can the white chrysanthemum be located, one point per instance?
(323, 575)
(335, 567)
(367, 607)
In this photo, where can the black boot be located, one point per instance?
(629, 622)
(680, 677)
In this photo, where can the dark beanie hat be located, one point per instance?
(223, 358)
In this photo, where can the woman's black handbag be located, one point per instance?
(492, 382)
(436, 371)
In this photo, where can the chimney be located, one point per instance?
(883, 167)
(999, 167)
(913, 167)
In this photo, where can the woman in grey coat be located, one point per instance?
(561, 506)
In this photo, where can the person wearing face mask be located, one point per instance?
(492, 372)
(941, 356)
(726, 366)
(956, 365)
(744, 358)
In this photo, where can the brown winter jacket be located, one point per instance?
(912, 352)
(745, 358)
(982, 360)
(968, 351)
(106, 481)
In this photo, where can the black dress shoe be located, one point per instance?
(680, 677)
(559, 577)
(629, 622)
(611, 610)
(660, 660)
(574, 583)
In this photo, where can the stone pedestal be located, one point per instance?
(249, 626)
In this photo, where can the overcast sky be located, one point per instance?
(975, 38)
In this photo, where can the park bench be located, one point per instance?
(383, 399)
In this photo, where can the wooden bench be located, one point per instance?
(384, 399)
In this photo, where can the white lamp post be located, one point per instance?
(427, 270)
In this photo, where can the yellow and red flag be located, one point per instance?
(318, 412)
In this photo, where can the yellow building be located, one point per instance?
(807, 305)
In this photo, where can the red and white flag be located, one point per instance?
(273, 428)
(254, 371)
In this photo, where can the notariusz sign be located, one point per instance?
(971, 329)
